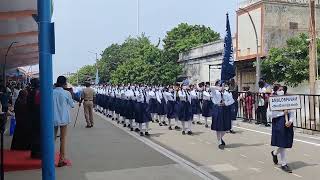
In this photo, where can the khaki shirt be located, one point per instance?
(88, 94)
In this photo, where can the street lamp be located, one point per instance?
(5, 63)
(96, 63)
(258, 64)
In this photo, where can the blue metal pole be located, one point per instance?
(46, 84)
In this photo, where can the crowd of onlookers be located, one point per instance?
(20, 102)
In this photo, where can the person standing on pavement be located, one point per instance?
(88, 97)
(262, 104)
(62, 102)
(234, 108)
(282, 132)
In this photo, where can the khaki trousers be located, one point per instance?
(88, 112)
(63, 137)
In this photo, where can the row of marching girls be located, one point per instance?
(160, 104)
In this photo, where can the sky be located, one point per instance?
(82, 26)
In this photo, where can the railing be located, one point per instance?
(251, 108)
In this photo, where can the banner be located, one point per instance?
(280, 103)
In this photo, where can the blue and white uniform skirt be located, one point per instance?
(281, 135)
(221, 118)
(170, 109)
(196, 108)
(142, 113)
(111, 103)
(161, 107)
(130, 108)
(207, 108)
(122, 106)
(117, 106)
(185, 111)
(153, 106)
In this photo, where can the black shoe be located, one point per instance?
(137, 130)
(267, 125)
(258, 123)
(183, 133)
(207, 126)
(152, 120)
(124, 125)
(221, 146)
(190, 133)
(88, 126)
(147, 134)
(116, 119)
(160, 124)
(274, 158)
(164, 123)
(199, 123)
(170, 128)
(129, 126)
(193, 122)
(112, 119)
(286, 168)
(223, 143)
(141, 134)
(91, 126)
(157, 120)
(177, 128)
(232, 131)
(118, 122)
(122, 122)
(131, 129)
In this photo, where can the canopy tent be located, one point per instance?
(18, 25)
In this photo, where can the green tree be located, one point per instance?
(86, 73)
(289, 64)
(184, 37)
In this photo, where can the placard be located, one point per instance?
(279, 103)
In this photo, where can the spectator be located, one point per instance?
(262, 104)
(62, 102)
(33, 102)
(15, 94)
(249, 102)
(21, 137)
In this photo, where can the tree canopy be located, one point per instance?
(289, 64)
(137, 60)
(184, 37)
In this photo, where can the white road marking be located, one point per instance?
(277, 168)
(261, 162)
(183, 162)
(244, 156)
(307, 155)
(256, 169)
(261, 132)
(193, 143)
(297, 175)
(229, 150)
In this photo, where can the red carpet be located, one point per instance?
(20, 160)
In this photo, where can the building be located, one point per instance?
(203, 63)
(275, 22)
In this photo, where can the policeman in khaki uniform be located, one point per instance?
(88, 97)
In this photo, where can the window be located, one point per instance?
(293, 25)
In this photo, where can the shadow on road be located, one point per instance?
(237, 145)
(299, 164)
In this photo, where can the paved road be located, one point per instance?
(110, 151)
(107, 152)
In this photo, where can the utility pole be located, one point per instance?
(312, 63)
(312, 49)
(258, 60)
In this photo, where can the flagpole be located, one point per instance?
(138, 17)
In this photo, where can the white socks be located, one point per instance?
(220, 135)
(282, 152)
